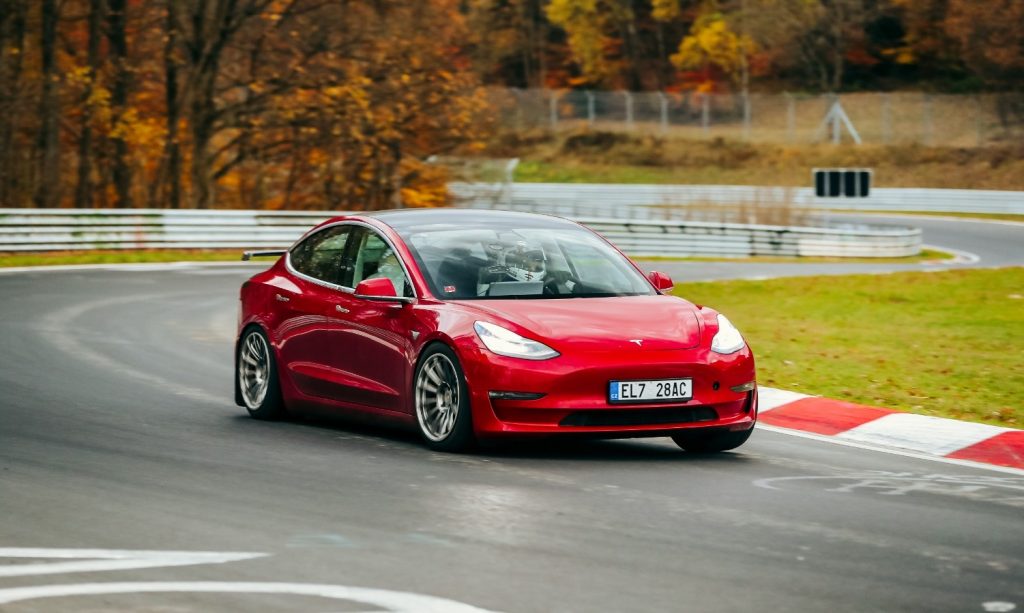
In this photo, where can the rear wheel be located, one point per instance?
(257, 376)
(442, 401)
(711, 442)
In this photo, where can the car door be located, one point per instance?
(374, 345)
(319, 267)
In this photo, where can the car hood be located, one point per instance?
(600, 324)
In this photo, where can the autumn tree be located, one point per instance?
(711, 49)
(992, 44)
(510, 41)
(809, 38)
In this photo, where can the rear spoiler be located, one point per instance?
(248, 255)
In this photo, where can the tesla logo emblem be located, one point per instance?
(639, 341)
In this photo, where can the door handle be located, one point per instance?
(281, 298)
(340, 309)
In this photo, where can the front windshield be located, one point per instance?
(478, 263)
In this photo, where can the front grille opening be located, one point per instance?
(639, 417)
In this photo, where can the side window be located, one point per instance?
(322, 256)
(374, 259)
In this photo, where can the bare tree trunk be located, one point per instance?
(201, 123)
(118, 39)
(48, 190)
(13, 31)
(84, 186)
(172, 151)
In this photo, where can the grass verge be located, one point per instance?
(63, 258)
(982, 216)
(947, 344)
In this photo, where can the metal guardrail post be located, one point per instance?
(663, 100)
(591, 111)
(746, 116)
(553, 110)
(705, 113)
(979, 126)
(629, 109)
(886, 119)
(790, 118)
(926, 119)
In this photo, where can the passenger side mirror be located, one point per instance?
(661, 281)
(380, 288)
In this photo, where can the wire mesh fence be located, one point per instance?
(877, 118)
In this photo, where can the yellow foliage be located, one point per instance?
(711, 43)
(584, 22)
(664, 10)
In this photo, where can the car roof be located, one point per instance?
(409, 219)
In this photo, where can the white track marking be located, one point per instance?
(769, 398)
(961, 257)
(892, 451)
(97, 560)
(923, 433)
(397, 602)
(56, 327)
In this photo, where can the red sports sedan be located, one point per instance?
(471, 325)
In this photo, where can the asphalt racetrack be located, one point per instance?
(118, 434)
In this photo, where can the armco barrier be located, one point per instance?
(63, 229)
(655, 201)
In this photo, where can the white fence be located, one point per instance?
(656, 201)
(62, 229)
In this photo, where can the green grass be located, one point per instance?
(926, 255)
(949, 344)
(62, 258)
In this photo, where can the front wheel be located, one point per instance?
(442, 401)
(711, 442)
(257, 376)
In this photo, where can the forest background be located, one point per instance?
(343, 104)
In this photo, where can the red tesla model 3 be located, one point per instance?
(470, 325)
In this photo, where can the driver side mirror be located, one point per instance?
(381, 289)
(661, 281)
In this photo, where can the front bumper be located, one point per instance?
(575, 393)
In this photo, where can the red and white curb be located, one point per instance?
(855, 423)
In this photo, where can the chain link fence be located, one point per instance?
(878, 118)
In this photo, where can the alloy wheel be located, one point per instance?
(254, 370)
(437, 397)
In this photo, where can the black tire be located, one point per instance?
(444, 365)
(261, 403)
(711, 442)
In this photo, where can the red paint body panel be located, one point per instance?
(339, 351)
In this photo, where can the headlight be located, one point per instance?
(728, 339)
(508, 343)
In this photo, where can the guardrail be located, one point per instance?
(696, 238)
(656, 201)
(63, 229)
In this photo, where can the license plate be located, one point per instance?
(654, 390)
